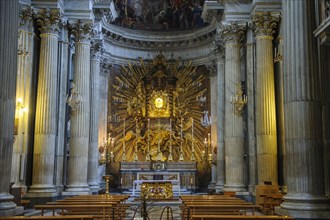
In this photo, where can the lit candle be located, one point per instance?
(181, 129)
(191, 180)
(170, 130)
(148, 132)
(121, 180)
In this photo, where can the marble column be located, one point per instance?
(80, 112)
(303, 115)
(23, 93)
(46, 120)
(93, 153)
(233, 34)
(63, 73)
(251, 133)
(213, 113)
(9, 10)
(103, 113)
(221, 118)
(279, 93)
(325, 54)
(266, 137)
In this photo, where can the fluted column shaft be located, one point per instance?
(80, 115)
(63, 73)
(8, 72)
(45, 124)
(234, 142)
(325, 54)
(250, 88)
(266, 138)
(220, 125)
(303, 116)
(24, 94)
(93, 154)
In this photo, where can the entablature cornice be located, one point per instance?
(158, 40)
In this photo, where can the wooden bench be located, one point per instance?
(238, 217)
(72, 217)
(101, 210)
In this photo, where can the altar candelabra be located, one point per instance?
(159, 153)
(239, 100)
(107, 155)
(148, 142)
(181, 151)
(124, 144)
(135, 155)
(192, 156)
(170, 156)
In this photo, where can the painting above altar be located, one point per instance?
(156, 110)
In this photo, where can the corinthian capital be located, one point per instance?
(25, 18)
(264, 23)
(48, 20)
(233, 33)
(82, 30)
(96, 50)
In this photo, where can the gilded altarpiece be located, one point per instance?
(155, 108)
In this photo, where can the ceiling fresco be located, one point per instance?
(159, 14)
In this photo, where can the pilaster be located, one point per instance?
(233, 34)
(45, 119)
(220, 54)
(80, 111)
(264, 24)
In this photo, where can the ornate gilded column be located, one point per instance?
(303, 115)
(220, 55)
(8, 71)
(233, 35)
(46, 120)
(23, 96)
(264, 24)
(93, 153)
(80, 111)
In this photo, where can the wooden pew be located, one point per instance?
(72, 217)
(238, 217)
(100, 210)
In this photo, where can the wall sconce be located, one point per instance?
(75, 98)
(19, 105)
(277, 55)
(239, 100)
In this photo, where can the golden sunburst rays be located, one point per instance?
(130, 103)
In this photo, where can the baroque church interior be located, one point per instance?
(166, 100)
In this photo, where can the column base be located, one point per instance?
(305, 207)
(235, 188)
(42, 190)
(94, 187)
(19, 210)
(219, 187)
(72, 190)
(211, 186)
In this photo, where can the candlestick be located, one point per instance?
(135, 156)
(159, 155)
(170, 156)
(148, 142)
(181, 154)
(124, 144)
(192, 156)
